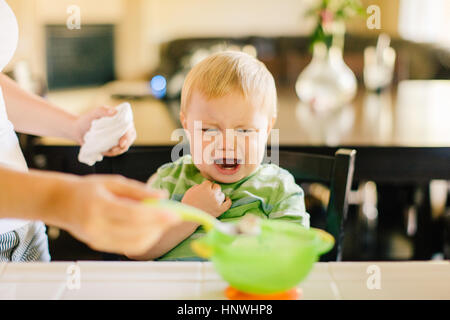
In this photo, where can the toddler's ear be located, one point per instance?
(271, 124)
(183, 120)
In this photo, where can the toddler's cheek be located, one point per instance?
(202, 152)
(254, 153)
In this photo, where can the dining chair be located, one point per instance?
(336, 172)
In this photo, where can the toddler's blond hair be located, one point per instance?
(223, 72)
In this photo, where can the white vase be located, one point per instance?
(327, 82)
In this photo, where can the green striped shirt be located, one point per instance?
(270, 192)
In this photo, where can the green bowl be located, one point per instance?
(275, 260)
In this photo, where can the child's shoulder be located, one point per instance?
(271, 183)
(271, 171)
(276, 178)
(182, 163)
(269, 176)
(181, 173)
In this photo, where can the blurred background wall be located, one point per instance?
(142, 25)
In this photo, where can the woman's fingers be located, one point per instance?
(114, 151)
(124, 144)
(127, 139)
(100, 112)
(103, 111)
(114, 217)
(138, 225)
(84, 121)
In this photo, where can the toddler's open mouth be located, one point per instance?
(227, 166)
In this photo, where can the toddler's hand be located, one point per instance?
(208, 197)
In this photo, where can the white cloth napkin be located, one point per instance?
(105, 133)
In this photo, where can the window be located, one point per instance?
(425, 21)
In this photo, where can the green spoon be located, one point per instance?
(247, 226)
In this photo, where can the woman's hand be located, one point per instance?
(106, 213)
(208, 197)
(83, 124)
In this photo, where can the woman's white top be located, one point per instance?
(10, 154)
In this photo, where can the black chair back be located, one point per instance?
(335, 172)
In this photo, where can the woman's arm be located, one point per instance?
(103, 211)
(34, 115)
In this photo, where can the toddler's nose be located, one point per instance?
(226, 153)
(229, 141)
(222, 142)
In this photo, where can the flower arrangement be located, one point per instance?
(331, 15)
